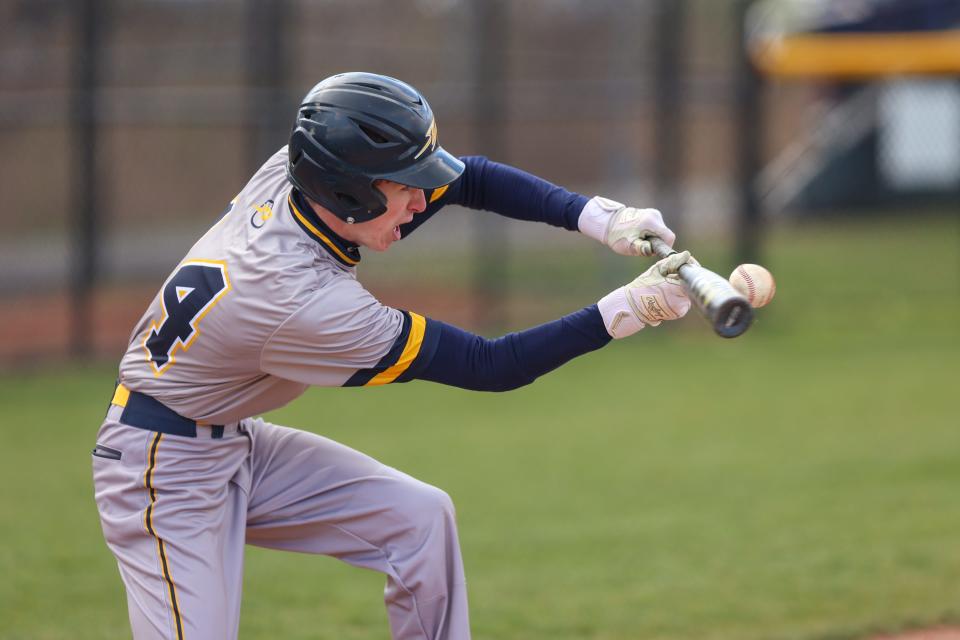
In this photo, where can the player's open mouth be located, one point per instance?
(396, 233)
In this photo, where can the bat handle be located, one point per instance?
(660, 248)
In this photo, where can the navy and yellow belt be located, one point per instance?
(144, 412)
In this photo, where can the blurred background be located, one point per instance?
(126, 126)
(797, 482)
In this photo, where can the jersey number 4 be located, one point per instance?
(190, 293)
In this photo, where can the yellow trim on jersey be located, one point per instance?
(438, 193)
(418, 326)
(318, 233)
(194, 323)
(121, 396)
(859, 55)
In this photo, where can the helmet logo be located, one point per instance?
(431, 142)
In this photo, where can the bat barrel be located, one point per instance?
(732, 318)
(725, 309)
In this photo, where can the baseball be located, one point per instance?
(755, 283)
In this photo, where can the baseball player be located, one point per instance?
(266, 304)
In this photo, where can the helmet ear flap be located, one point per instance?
(362, 210)
(351, 200)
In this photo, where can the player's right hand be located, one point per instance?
(654, 296)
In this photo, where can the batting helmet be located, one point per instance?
(355, 128)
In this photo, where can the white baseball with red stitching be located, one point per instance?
(754, 283)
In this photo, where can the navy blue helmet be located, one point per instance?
(355, 128)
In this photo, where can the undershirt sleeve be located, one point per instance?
(349, 339)
(505, 190)
(462, 359)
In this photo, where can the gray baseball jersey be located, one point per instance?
(264, 305)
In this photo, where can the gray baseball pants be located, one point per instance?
(176, 512)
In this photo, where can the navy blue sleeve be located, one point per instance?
(462, 359)
(505, 190)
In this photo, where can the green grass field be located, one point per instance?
(800, 482)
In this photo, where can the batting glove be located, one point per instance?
(655, 296)
(623, 228)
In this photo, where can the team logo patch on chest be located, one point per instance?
(261, 214)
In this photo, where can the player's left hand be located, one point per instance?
(654, 296)
(623, 228)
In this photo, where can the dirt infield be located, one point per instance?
(38, 328)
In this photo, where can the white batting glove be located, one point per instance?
(655, 296)
(623, 228)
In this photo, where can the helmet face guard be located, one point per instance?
(353, 129)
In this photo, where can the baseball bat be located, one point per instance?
(718, 302)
